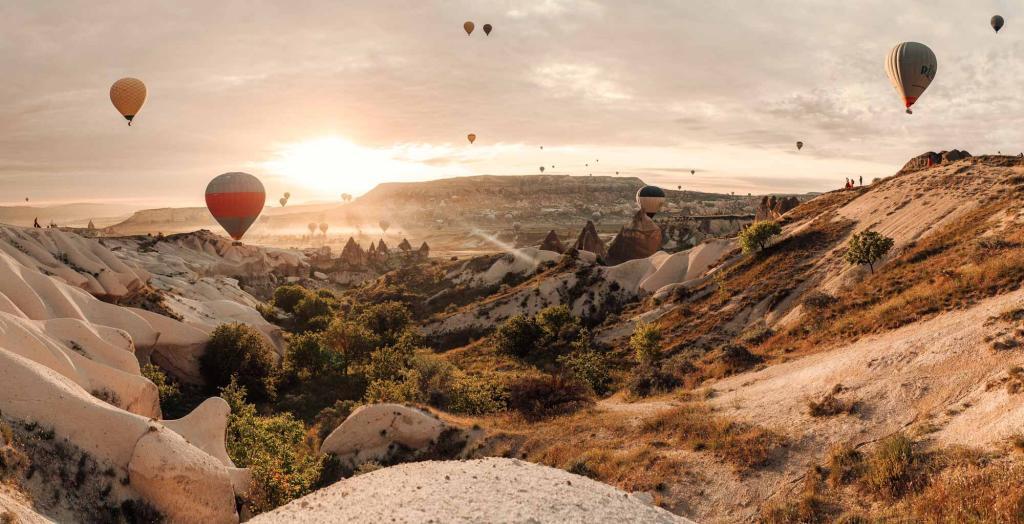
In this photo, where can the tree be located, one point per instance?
(388, 320)
(351, 342)
(757, 235)
(646, 343)
(867, 247)
(518, 336)
(287, 297)
(239, 350)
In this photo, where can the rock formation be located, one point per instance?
(552, 243)
(773, 208)
(640, 238)
(382, 249)
(405, 246)
(932, 158)
(424, 251)
(352, 254)
(589, 240)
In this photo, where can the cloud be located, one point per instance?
(589, 82)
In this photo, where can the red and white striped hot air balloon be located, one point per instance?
(235, 200)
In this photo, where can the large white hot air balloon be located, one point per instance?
(911, 66)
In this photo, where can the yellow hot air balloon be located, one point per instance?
(911, 67)
(471, 137)
(468, 26)
(128, 95)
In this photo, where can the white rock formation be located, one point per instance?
(375, 432)
(491, 490)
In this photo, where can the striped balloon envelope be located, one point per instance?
(235, 200)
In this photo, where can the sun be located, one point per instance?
(333, 165)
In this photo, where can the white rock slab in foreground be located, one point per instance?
(488, 490)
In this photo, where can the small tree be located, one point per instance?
(287, 297)
(351, 342)
(757, 235)
(518, 336)
(239, 350)
(867, 247)
(646, 343)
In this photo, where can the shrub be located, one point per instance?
(287, 297)
(889, 468)
(313, 313)
(646, 343)
(973, 493)
(168, 390)
(831, 405)
(401, 390)
(844, 465)
(307, 355)
(388, 363)
(389, 320)
(274, 449)
(756, 236)
(818, 301)
(331, 417)
(545, 396)
(557, 322)
(588, 367)
(351, 342)
(867, 247)
(518, 336)
(239, 350)
(447, 387)
(648, 379)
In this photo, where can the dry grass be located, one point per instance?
(633, 454)
(973, 493)
(831, 405)
(808, 506)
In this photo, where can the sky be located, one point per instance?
(321, 97)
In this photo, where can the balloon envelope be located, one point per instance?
(235, 200)
(487, 29)
(468, 26)
(650, 199)
(997, 23)
(128, 95)
(384, 225)
(911, 67)
(283, 201)
(799, 146)
(471, 137)
(541, 169)
(287, 194)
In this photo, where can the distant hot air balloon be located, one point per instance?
(911, 67)
(235, 200)
(679, 188)
(323, 227)
(799, 145)
(616, 172)
(471, 137)
(997, 23)
(345, 197)
(468, 26)
(282, 201)
(487, 29)
(542, 147)
(541, 169)
(128, 95)
(650, 199)
(26, 199)
(693, 171)
(287, 194)
(384, 225)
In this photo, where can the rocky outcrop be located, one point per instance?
(385, 432)
(405, 246)
(772, 208)
(931, 158)
(640, 238)
(589, 240)
(382, 249)
(352, 254)
(424, 251)
(552, 243)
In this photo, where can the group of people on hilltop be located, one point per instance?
(851, 183)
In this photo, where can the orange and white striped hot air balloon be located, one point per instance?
(235, 200)
(128, 95)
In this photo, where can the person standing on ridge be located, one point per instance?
(35, 223)
(861, 180)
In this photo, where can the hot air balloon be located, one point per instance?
(287, 194)
(384, 225)
(693, 171)
(541, 169)
(235, 200)
(128, 95)
(311, 227)
(616, 172)
(487, 29)
(997, 23)
(323, 227)
(471, 137)
(542, 147)
(911, 67)
(679, 188)
(26, 199)
(282, 201)
(650, 199)
(799, 145)
(468, 26)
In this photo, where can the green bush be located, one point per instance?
(646, 343)
(274, 449)
(756, 236)
(388, 362)
(518, 336)
(313, 313)
(389, 320)
(239, 350)
(589, 367)
(351, 342)
(168, 390)
(889, 468)
(404, 389)
(867, 247)
(648, 379)
(331, 417)
(308, 355)
(287, 297)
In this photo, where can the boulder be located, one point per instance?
(590, 241)
(552, 243)
(640, 238)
